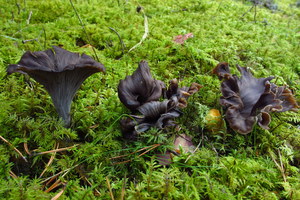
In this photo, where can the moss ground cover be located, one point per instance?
(100, 163)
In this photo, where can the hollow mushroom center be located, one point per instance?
(250, 91)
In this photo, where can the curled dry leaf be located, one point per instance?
(61, 72)
(182, 144)
(248, 100)
(180, 39)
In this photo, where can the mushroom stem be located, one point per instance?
(61, 72)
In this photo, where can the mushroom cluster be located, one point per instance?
(248, 100)
(141, 93)
(61, 72)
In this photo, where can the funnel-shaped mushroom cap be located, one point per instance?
(182, 94)
(154, 114)
(60, 71)
(222, 70)
(248, 100)
(140, 92)
(139, 88)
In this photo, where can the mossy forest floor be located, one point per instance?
(264, 164)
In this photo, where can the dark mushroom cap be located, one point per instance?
(248, 100)
(61, 72)
(139, 88)
(140, 92)
(222, 70)
(182, 94)
(153, 114)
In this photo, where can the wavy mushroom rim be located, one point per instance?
(61, 72)
(271, 98)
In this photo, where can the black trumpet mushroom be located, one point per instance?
(248, 100)
(182, 94)
(140, 93)
(153, 114)
(139, 88)
(61, 72)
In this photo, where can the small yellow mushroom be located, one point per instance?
(214, 120)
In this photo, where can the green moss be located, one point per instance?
(226, 165)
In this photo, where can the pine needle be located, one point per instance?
(56, 150)
(109, 188)
(49, 162)
(59, 194)
(12, 174)
(7, 142)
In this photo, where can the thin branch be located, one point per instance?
(19, 8)
(144, 36)
(7, 142)
(144, 148)
(282, 167)
(149, 148)
(58, 182)
(29, 40)
(54, 176)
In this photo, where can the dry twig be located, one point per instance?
(193, 151)
(144, 36)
